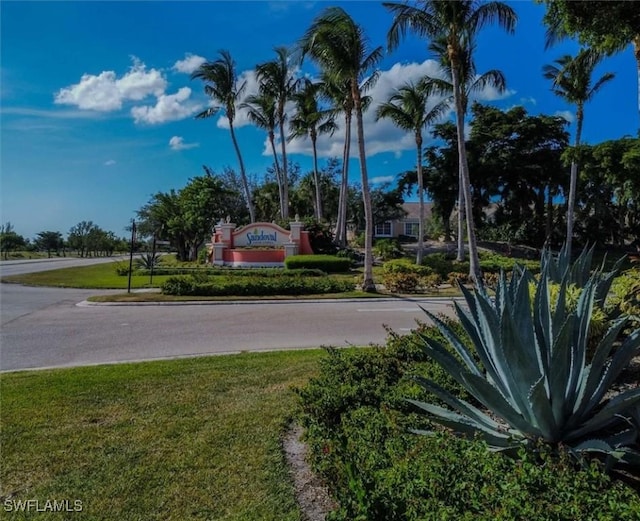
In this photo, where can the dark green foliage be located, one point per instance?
(388, 249)
(255, 286)
(236, 272)
(357, 426)
(326, 263)
(404, 276)
(320, 237)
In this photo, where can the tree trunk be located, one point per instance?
(278, 172)
(573, 181)
(368, 283)
(636, 52)
(341, 227)
(316, 178)
(460, 256)
(285, 171)
(243, 175)
(474, 261)
(420, 198)
(549, 227)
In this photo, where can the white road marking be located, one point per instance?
(388, 310)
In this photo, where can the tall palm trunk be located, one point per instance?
(460, 255)
(636, 52)
(285, 171)
(474, 261)
(316, 178)
(243, 174)
(341, 226)
(272, 141)
(367, 284)
(420, 198)
(573, 181)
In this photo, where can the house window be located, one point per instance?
(411, 229)
(383, 229)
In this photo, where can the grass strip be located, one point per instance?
(172, 440)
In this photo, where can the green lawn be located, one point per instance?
(172, 440)
(97, 276)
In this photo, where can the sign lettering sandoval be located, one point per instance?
(260, 235)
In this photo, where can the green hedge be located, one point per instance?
(358, 429)
(236, 272)
(326, 263)
(246, 286)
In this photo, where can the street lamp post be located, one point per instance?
(133, 238)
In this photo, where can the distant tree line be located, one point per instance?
(85, 239)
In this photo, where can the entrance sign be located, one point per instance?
(258, 244)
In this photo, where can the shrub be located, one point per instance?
(178, 286)
(121, 268)
(326, 263)
(357, 427)
(148, 260)
(357, 430)
(455, 277)
(248, 286)
(387, 249)
(404, 276)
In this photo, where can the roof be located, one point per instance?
(413, 211)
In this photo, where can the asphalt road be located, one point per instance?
(50, 327)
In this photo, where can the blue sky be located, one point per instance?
(97, 106)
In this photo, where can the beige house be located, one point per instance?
(406, 226)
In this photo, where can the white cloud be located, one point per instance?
(528, 101)
(177, 143)
(382, 179)
(490, 93)
(190, 63)
(110, 162)
(106, 92)
(566, 114)
(380, 136)
(168, 107)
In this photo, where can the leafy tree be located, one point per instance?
(186, 218)
(221, 86)
(456, 24)
(78, 237)
(608, 206)
(606, 26)
(309, 120)
(49, 241)
(278, 81)
(340, 47)
(407, 108)
(10, 240)
(571, 79)
(519, 160)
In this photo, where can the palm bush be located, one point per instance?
(529, 367)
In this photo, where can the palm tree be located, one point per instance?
(338, 92)
(261, 110)
(456, 23)
(312, 121)
(407, 108)
(277, 80)
(221, 86)
(340, 47)
(571, 80)
(470, 82)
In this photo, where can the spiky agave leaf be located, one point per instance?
(533, 372)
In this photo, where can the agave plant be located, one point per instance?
(148, 261)
(530, 370)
